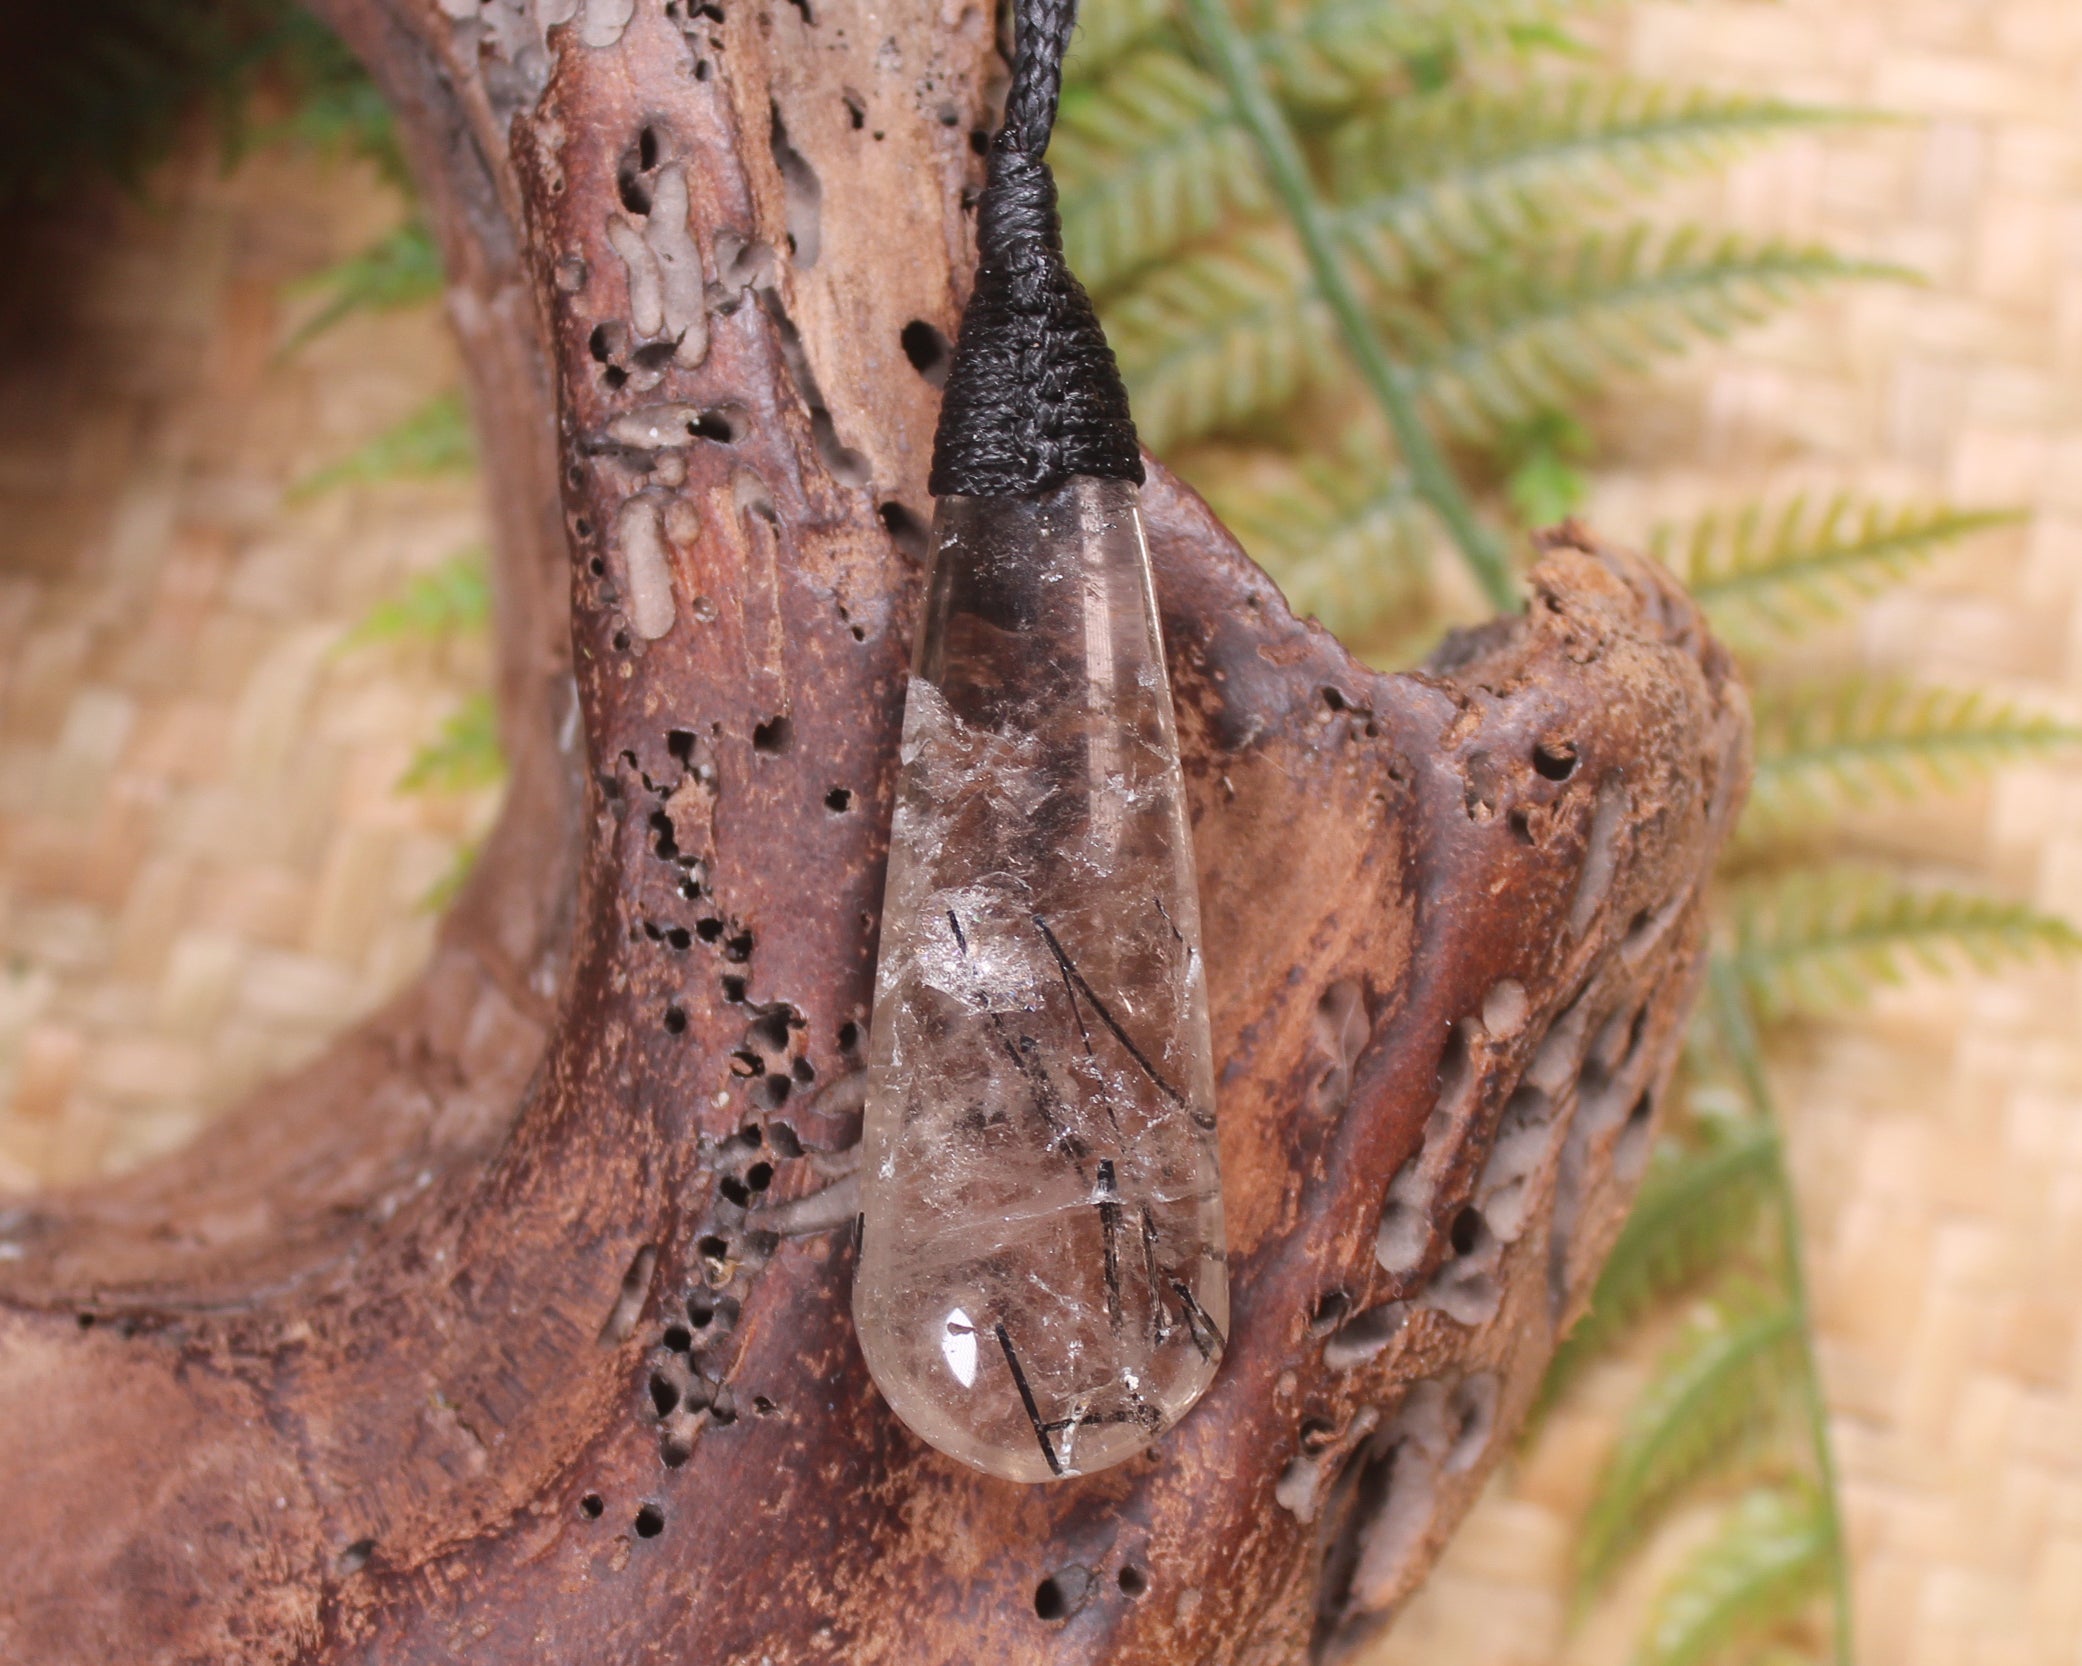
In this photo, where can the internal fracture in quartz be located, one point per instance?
(1042, 1287)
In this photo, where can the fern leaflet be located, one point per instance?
(1106, 31)
(1822, 747)
(1815, 939)
(1471, 170)
(1539, 461)
(1220, 337)
(1153, 156)
(435, 439)
(437, 897)
(453, 599)
(337, 111)
(1769, 1558)
(1327, 54)
(1712, 1394)
(105, 91)
(401, 270)
(464, 757)
(1148, 160)
(1694, 1211)
(1761, 573)
(1552, 326)
(1344, 537)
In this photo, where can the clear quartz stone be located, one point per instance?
(1042, 1287)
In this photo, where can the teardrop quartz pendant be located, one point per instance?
(1042, 1287)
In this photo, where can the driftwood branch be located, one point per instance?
(515, 1329)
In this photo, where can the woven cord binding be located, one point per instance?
(1034, 395)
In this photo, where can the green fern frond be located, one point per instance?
(1344, 537)
(1815, 939)
(1222, 337)
(453, 599)
(400, 270)
(1538, 460)
(435, 439)
(1694, 1212)
(1471, 170)
(1762, 573)
(1327, 54)
(437, 896)
(1217, 338)
(344, 116)
(103, 91)
(1107, 30)
(1722, 1384)
(1529, 40)
(1146, 161)
(465, 756)
(1769, 1558)
(335, 108)
(1550, 327)
(1823, 747)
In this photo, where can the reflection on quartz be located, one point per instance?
(958, 1347)
(1042, 1286)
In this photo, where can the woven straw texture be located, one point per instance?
(205, 868)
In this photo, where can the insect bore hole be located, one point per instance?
(1555, 760)
(927, 350)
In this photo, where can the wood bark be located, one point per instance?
(515, 1329)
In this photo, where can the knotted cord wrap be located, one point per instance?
(1034, 395)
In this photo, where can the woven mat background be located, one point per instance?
(205, 868)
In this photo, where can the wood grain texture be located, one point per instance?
(515, 1329)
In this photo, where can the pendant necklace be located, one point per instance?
(1042, 1286)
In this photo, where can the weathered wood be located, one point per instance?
(515, 1329)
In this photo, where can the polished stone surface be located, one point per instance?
(1042, 1287)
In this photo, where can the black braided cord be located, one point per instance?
(1033, 395)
